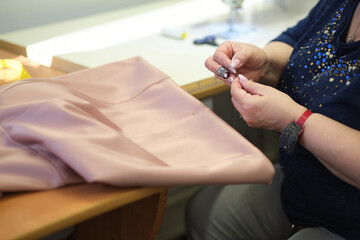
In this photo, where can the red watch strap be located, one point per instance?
(303, 118)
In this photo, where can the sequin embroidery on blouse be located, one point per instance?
(319, 68)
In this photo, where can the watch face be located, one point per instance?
(289, 136)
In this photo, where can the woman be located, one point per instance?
(310, 74)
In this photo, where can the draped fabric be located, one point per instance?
(126, 124)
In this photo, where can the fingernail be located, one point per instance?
(242, 78)
(231, 79)
(232, 70)
(235, 63)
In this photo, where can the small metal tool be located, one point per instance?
(222, 72)
(211, 40)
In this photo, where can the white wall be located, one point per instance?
(20, 14)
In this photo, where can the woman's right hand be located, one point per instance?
(239, 58)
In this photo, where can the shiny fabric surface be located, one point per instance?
(124, 123)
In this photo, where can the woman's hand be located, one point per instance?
(243, 58)
(263, 106)
(259, 64)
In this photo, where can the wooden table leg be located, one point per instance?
(139, 220)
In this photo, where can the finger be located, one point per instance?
(240, 58)
(253, 88)
(222, 57)
(213, 66)
(237, 91)
(249, 55)
(241, 94)
(235, 85)
(224, 53)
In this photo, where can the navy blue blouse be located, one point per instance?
(323, 74)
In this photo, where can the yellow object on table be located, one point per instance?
(11, 71)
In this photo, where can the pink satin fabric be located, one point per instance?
(125, 124)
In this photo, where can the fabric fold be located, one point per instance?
(125, 123)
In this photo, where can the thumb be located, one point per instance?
(247, 54)
(252, 87)
(236, 84)
(239, 59)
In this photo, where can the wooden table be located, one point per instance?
(97, 211)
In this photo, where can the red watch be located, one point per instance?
(290, 135)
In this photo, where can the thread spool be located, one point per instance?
(176, 33)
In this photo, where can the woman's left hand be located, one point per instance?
(263, 106)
